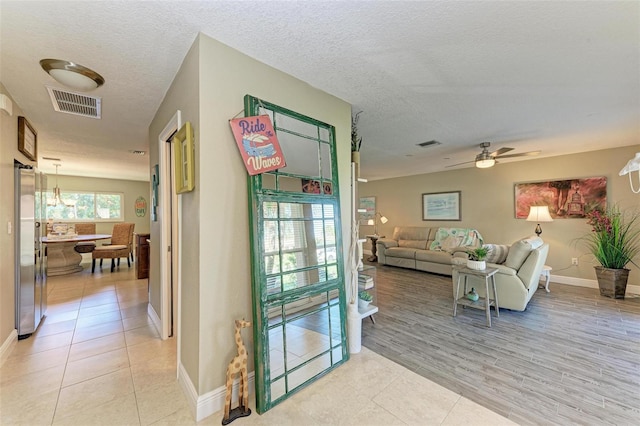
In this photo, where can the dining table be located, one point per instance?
(62, 259)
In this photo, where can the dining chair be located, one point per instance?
(120, 246)
(85, 229)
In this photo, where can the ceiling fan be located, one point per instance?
(487, 159)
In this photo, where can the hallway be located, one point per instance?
(97, 360)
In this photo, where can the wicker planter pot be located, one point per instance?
(612, 282)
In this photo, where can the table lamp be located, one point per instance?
(539, 214)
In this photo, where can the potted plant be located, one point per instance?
(364, 298)
(356, 142)
(614, 241)
(477, 258)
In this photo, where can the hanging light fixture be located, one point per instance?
(72, 75)
(57, 198)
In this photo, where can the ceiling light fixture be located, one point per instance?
(484, 160)
(72, 75)
(485, 163)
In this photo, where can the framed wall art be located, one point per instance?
(567, 198)
(368, 204)
(27, 139)
(183, 154)
(442, 206)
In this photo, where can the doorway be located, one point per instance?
(168, 215)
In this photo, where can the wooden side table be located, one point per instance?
(374, 250)
(483, 302)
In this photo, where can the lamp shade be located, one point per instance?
(384, 219)
(539, 214)
(371, 222)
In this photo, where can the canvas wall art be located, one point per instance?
(567, 198)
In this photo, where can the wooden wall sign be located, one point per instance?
(27, 139)
(258, 144)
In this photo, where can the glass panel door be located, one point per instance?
(298, 281)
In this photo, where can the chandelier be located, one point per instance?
(57, 198)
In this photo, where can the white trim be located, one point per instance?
(155, 319)
(8, 345)
(166, 216)
(582, 282)
(211, 402)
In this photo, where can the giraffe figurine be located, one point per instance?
(237, 366)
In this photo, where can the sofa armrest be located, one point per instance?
(531, 269)
(387, 242)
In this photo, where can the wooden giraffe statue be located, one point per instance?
(237, 366)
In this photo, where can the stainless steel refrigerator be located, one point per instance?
(30, 258)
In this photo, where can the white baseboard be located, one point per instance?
(203, 406)
(581, 282)
(155, 319)
(8, 345)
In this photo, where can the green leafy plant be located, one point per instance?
(366, 296)
(614, 239)
(356, 140)
(479, 253)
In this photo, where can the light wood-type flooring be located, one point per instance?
(572, 357)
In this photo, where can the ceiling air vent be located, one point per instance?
(429, 143)
(75, 103)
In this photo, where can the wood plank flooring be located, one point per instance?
(572, 357)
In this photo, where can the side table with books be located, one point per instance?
(366, 282)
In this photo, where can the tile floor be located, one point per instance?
(97, 360)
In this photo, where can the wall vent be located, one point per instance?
(75, 103)
(429, 143)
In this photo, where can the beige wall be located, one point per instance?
(215, 230)
(488, 202)
(8, 152)
(131, 189)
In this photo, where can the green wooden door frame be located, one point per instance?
(331, 288)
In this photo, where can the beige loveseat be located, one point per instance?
(518, 274)
(411, 247)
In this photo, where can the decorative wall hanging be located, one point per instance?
(568, 198)
(140, 206)
(155, 182)
(183, 154)
(442, 206)
(258, 144)
(27, 139)
(369, 205)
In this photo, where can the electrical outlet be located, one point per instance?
(574, 260)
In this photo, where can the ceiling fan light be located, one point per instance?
(486, 163)
(72, 75)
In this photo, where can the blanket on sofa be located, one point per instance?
(448, 239)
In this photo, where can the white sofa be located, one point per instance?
(517, 277)
(410, 247)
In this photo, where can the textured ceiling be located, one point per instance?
(561, 77)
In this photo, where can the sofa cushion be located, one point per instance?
(519, 251)
(497, 253)
(418, 244)
(408, 253)
(433, 256)
(411, 233)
